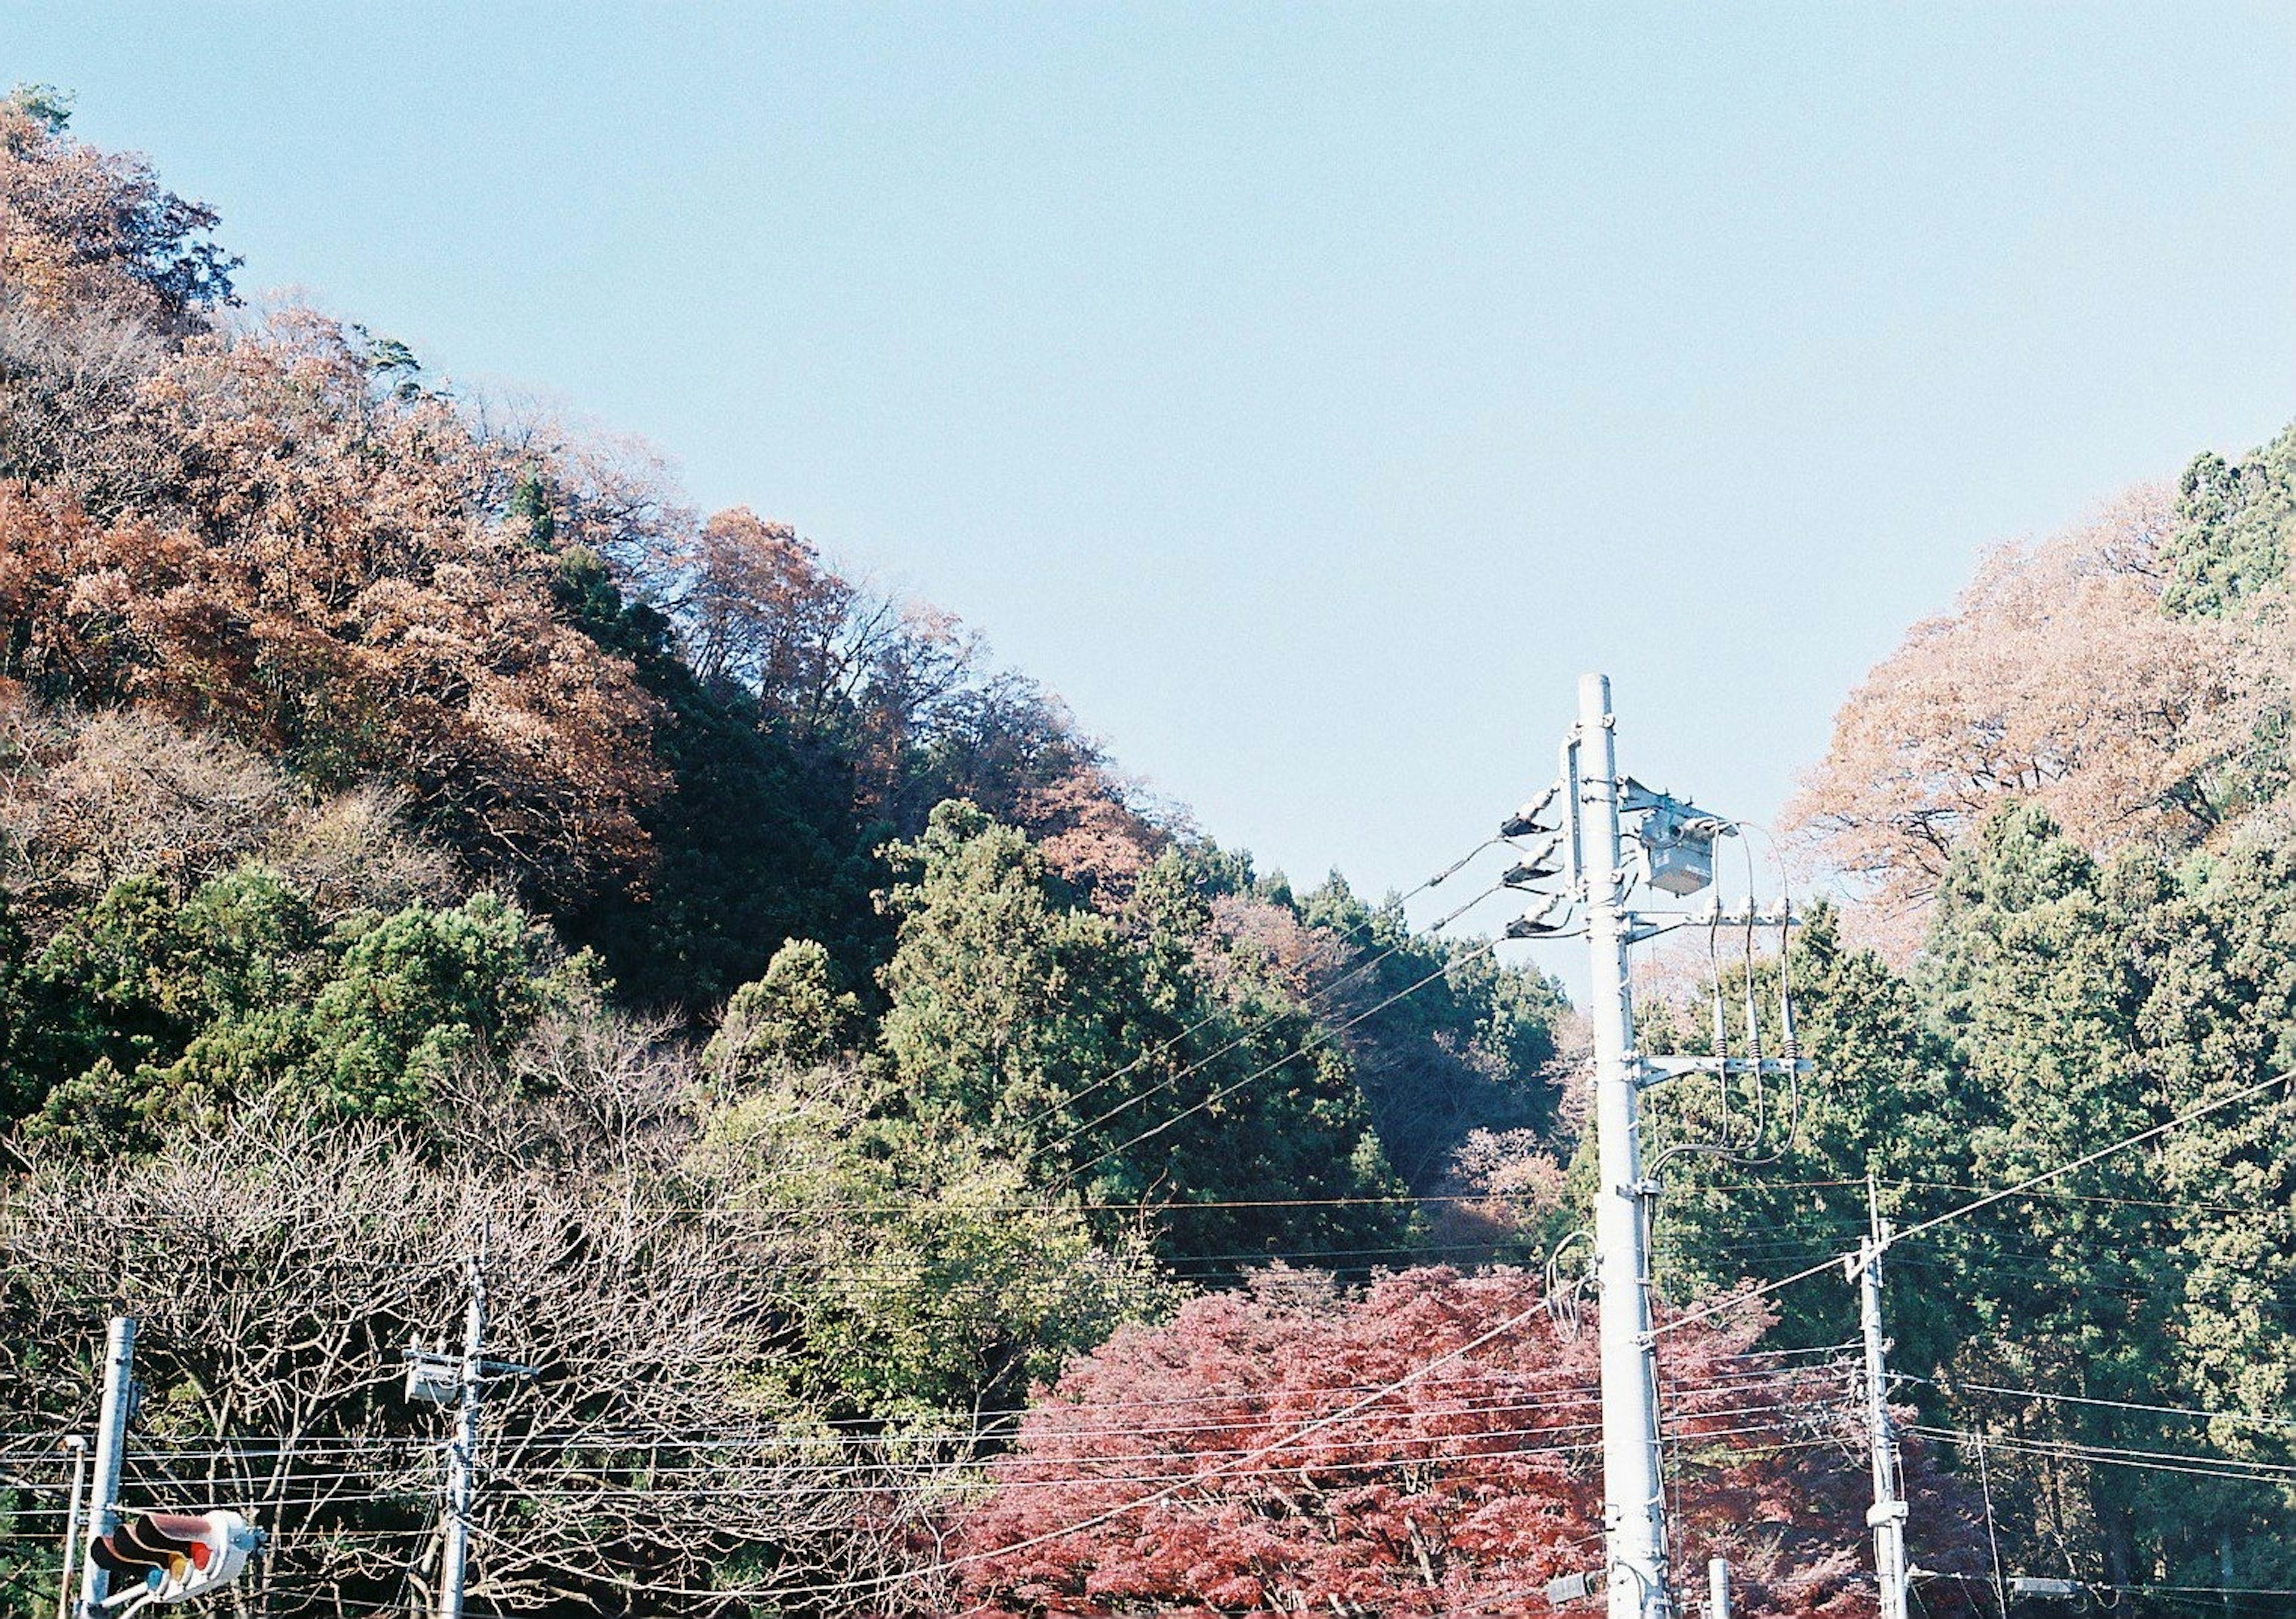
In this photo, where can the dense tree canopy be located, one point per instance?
(1420, 1448)
(419, 827)
(1110, 1062)
(2063, 810)
(926, 1173)
(82, 229)
(2058, 679)
(2235, 521)
(2122, 1335)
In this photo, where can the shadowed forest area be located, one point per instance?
(931, 1174)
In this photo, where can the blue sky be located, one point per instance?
(1309, 394)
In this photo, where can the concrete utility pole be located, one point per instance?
(1633, 1511)
(1888, 1515)
(461, 1456)
(434, 1377)
(110, 1445)
(1672, 851)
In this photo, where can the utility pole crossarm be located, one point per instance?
(1650, 1071)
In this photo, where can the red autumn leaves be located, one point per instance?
(1205, 1461)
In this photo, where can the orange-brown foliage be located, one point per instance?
(85, 230)
(2057, 679)
(334, 585)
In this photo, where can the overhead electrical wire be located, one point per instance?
(1323, 1037)
(2219, 1467)
(1309, 1000)
(887, 1582)
(2227, 1466)
(1165, 1491)
(2172, 1461)
(801, 1439)
(2156, 1462)
(1746, 1295)
(1426, 1368)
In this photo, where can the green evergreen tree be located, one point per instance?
(1881, 1100)
(1106, 1064)
(1005, 1002)
(153, 1011)
(2235, 523)
(1468, 1049)
(2219, 950)
(22, 1086)
(415, 994)
(2030, 979)
(797, 1016)
(756, 842)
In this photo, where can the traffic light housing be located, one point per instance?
(174, 1557)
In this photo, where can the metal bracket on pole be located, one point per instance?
(1650, 924)
(1658, 1070)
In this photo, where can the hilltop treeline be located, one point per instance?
(2062, 812)
(326, 691)
(928, 1173)
(417, 824)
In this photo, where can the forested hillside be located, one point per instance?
(2063, 810)
(927, 1172)
(416, 823)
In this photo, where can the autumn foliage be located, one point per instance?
(396, 787)
(1244, 1460)
(2057, 680)
(332, 588)
(276, 527)
(82, 228)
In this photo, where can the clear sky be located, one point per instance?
(1308, 393)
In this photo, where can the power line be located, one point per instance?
(2070, 1197)
(1746, 1295)
(1155, 1497)
(1950, 1386)
(885, 1582)
(802, 1436)
(2117, 1456)
(1321, 1037)
(442, 1269)
(1266, 1023)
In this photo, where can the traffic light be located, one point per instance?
(176, 1555)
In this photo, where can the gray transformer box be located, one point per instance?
(1677, 851)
